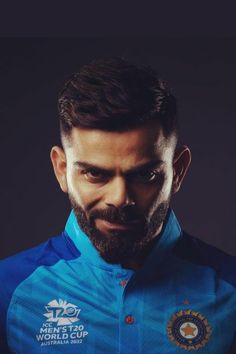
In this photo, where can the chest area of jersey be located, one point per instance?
(100, 313)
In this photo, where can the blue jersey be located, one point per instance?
(62, 297)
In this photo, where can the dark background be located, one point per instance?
(202, 73)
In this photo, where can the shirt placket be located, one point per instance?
(129, 317)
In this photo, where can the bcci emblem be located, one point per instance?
(62, 312)
(189, 330)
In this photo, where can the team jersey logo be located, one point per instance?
(62, 312)
(189, 330)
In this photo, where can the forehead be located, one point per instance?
(128, 147)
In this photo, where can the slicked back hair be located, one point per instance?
(116, 95)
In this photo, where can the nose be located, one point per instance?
(118, 194)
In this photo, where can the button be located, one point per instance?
(129, 319)
(123, 283)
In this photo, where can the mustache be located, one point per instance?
(117, 215)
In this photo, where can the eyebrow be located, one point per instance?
(139, 168)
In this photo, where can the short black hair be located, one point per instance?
(116, 95)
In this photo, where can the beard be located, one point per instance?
(119, 247)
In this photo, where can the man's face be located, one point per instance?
(119, 185)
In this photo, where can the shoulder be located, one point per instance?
(15, 269)
(199, 252)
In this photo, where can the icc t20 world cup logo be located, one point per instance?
(62, 312)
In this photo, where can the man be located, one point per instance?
(122, 277)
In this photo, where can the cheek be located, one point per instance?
(84, 193)
(148, 195)
(167, 187)
(144, 197)
(165, 191)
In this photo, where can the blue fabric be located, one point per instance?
(62, 297)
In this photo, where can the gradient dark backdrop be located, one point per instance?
(203, 75)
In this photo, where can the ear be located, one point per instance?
(181, 162)
(58, 159)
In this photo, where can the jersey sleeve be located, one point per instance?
(15, 269)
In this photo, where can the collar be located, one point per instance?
(170, 233)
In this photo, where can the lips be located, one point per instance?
(119, 226)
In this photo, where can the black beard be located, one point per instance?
(121, 246)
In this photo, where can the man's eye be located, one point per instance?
(93, 175)
(148, 176)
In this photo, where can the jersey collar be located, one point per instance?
(171, 232)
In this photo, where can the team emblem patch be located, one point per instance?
(189, 330)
